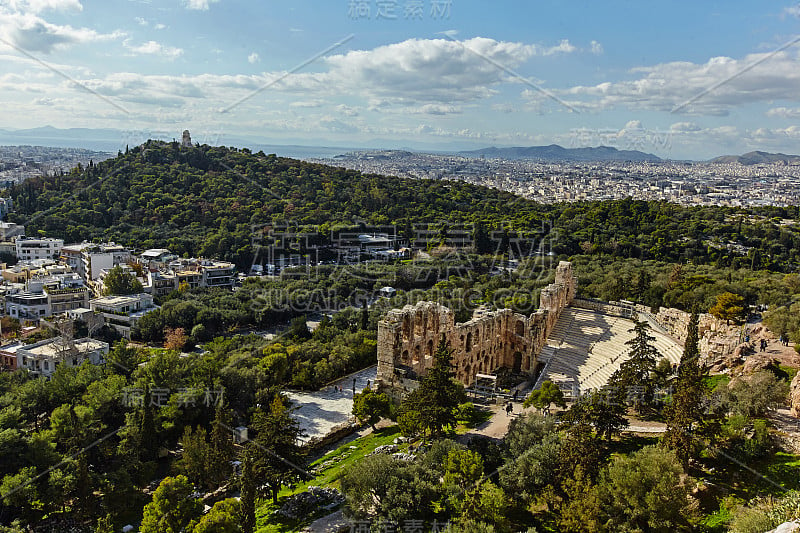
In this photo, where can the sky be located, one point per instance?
(680, 79)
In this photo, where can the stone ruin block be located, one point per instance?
(409, 337)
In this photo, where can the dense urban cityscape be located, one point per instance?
(18, 163)
(685, 183)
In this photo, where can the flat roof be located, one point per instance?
(48, 349)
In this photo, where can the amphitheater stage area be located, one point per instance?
(586, 347)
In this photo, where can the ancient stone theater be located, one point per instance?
(491, 340)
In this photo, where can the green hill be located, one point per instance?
(207, 201)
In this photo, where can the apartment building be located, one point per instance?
(29, 249)
(123, 312)
(43, 357)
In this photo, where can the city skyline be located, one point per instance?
(682, 81)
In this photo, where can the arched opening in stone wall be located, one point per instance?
(468, 346)
(520, 328)
(430, 349)
(517, 362)
(416, 354)
(404, 357)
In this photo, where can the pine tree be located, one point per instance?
(633, 377)
(279, 456)
(149, 437)
(685, 415)
(434, 405)
(221, 447)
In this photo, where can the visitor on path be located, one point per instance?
(516, 393)
(509, 408)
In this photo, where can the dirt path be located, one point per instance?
(786, 355)
(497, 426)
(644, 426)
(333, 523)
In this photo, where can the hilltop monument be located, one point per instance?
(186, 142)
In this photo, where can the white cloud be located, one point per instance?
(160, 26)
(792, 11)
(712, 88)
(347, 110)
(432, 70)
(437, 109)
(155, 48)
(685, 127)
(564, 47)
(21, 25)
(307, 104)
(200, 5)
(140, 21)
(596, 48)
(37, 6)
(253, 58)
(30, 32)
(784, 112)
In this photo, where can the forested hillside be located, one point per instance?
(209, 201)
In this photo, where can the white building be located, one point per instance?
(123, 312)
(43, 357)
(29, 249)
(99, 257)
(72, 255)
(10, 231)
(49, 295)
(218, 274)
(155, 257)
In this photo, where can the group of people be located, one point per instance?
(783, 339)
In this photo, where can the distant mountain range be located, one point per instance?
(112, 140)
(555, 152)
(757, 158)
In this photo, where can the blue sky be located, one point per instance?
(680, 79)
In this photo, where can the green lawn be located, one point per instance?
(715, 380)
(335, 462)
(733, 484)
(790, 370)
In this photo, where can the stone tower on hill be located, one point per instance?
(186, 142)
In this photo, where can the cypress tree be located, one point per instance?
(248, 494)
(685, 415)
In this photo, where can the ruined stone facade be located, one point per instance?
(408, 337)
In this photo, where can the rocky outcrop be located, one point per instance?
(794, 394)
(719, 342)
(787, 527)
